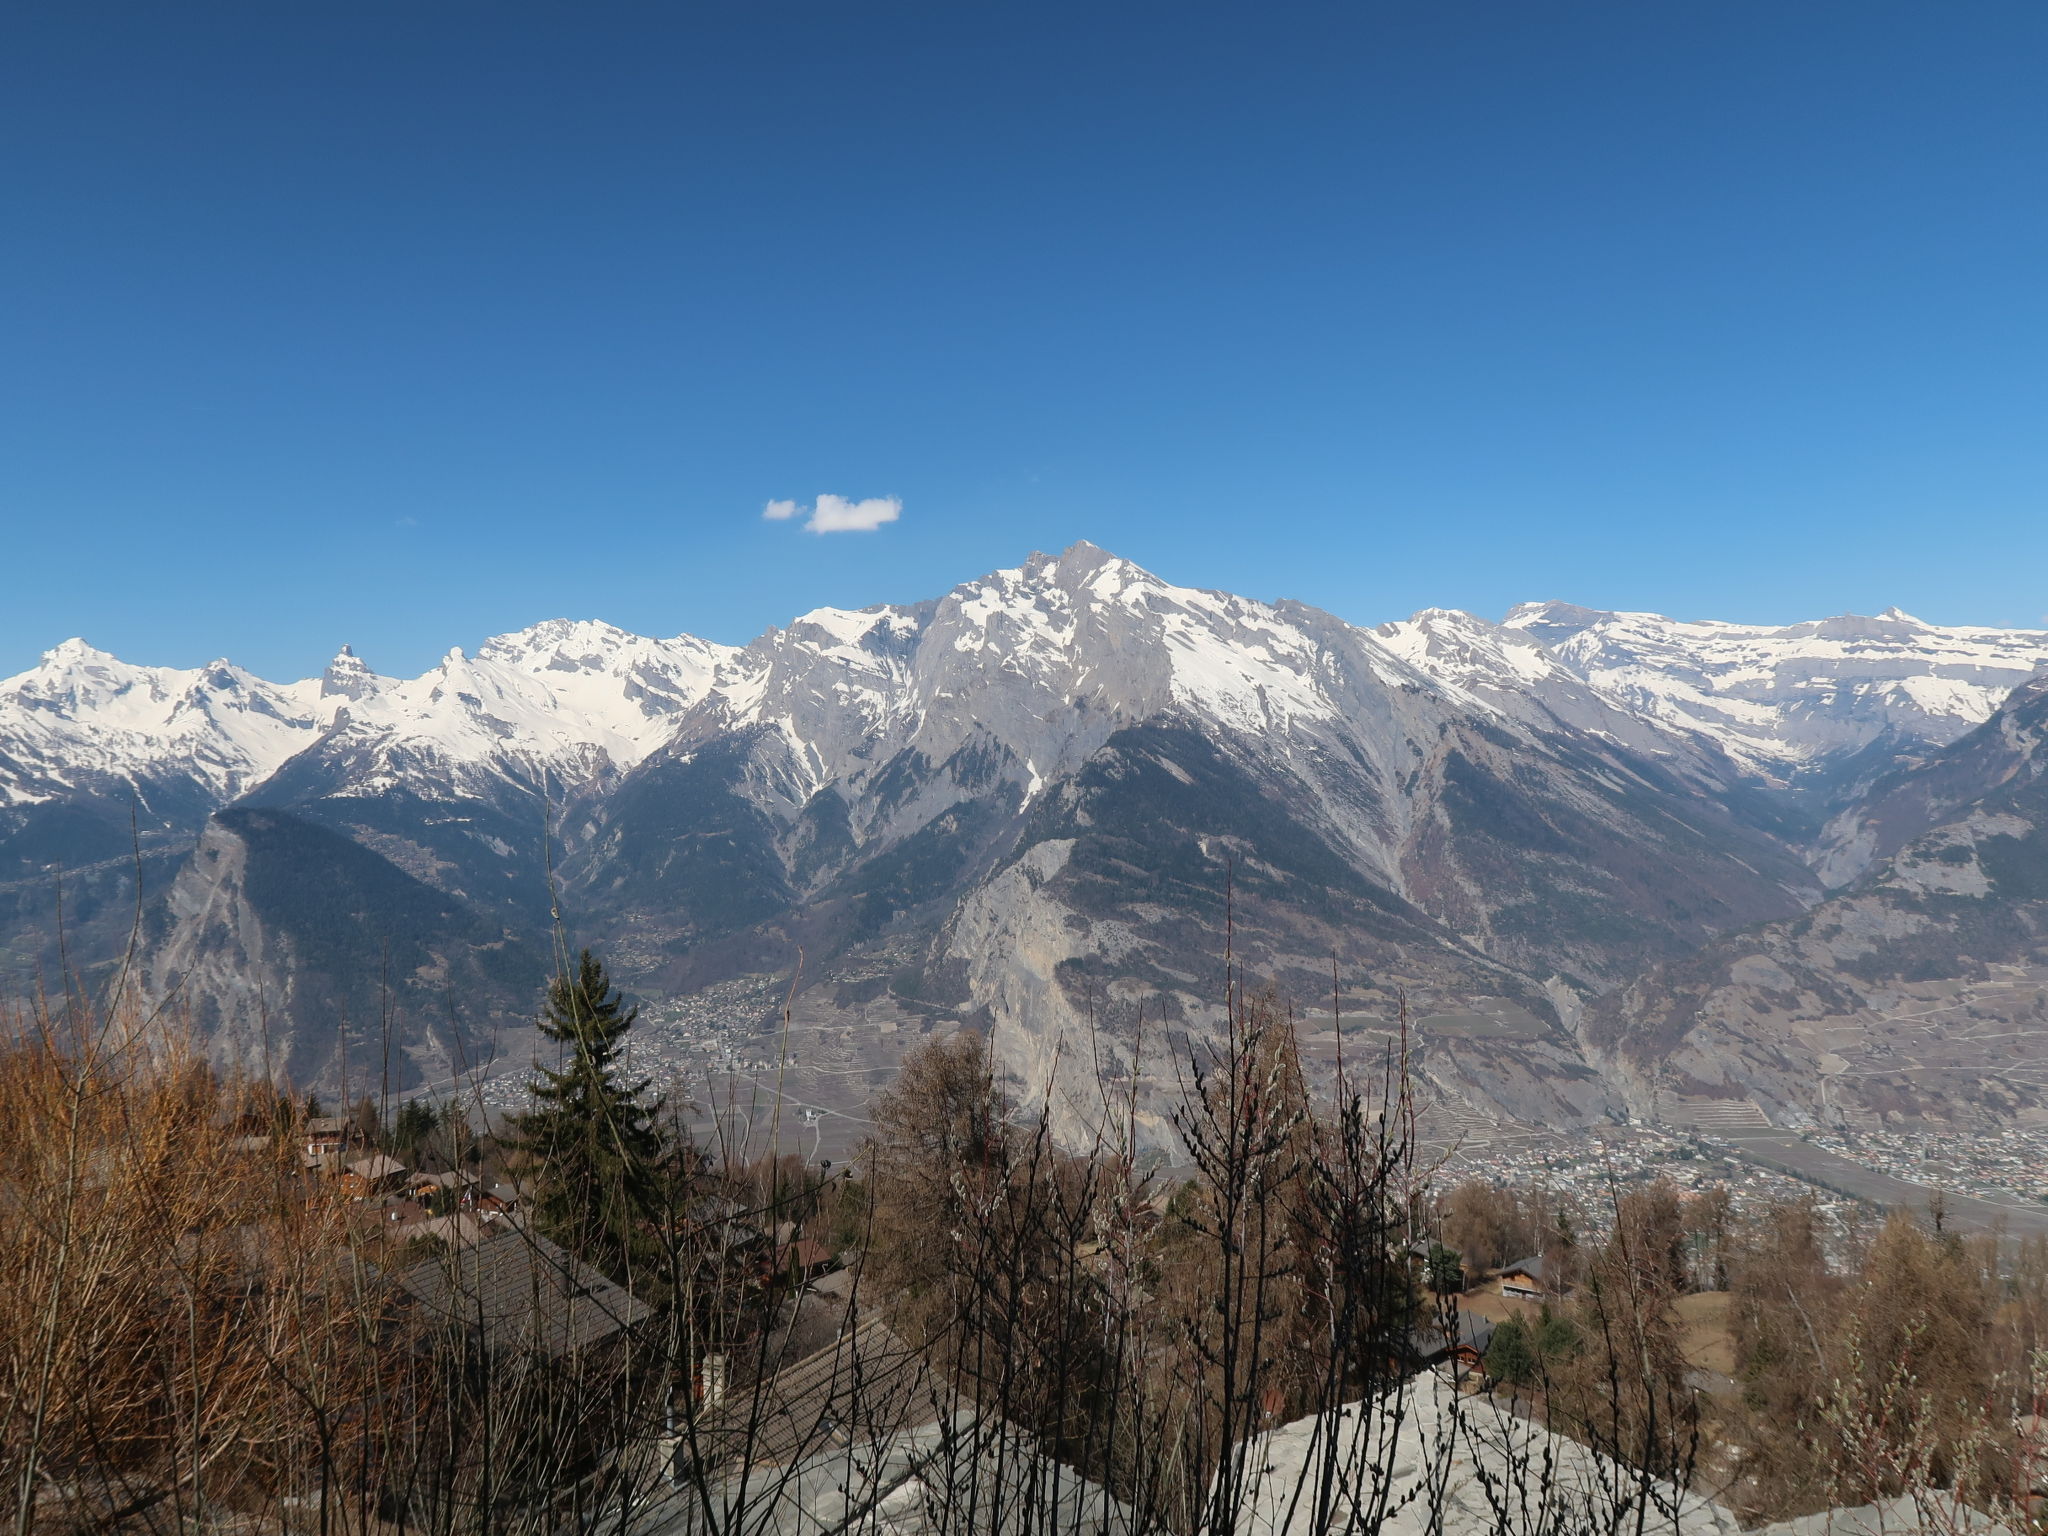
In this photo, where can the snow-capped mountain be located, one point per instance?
(559, 694)
(1021, 803)
(863, 727)
(82, 719)
(1513, 671)
(1818, 702)
(444, 782)
(1050, 776)
(547, 709)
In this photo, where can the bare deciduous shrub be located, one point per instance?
(199, 1332)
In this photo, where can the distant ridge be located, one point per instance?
(1016, 805)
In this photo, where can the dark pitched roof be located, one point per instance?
(1533, 1266)
(967, 1472)
(1431, 1340)
(866, 1385)
(804, 1253)
(455, 1180)
(519, 1291)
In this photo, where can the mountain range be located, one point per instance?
(1608, 863)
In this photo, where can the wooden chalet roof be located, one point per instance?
(866, 1385)
(521, 1292)
(458, 1179)
(1432, 1339)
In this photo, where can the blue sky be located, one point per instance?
(403, 323)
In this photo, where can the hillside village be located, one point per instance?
(699, 1339)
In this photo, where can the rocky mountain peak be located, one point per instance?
(347, 677)
(1030, 787)
(1796, 703)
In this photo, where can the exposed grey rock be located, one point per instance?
(1914, 994)
(1036, 803)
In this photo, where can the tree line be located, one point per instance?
(199, 1335)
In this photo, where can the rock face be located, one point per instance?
(1048, 803)
(297, 952)
(1051, 781)
(1915, 993)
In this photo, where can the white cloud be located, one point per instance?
(837, 514)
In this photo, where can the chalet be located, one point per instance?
(719, 1222)
(523, 1321)
(324, 1142)
(397, 1215)
(803, 1258)
(461, 1230)
(866, 1437)
(389, 1218)
(461, 1185)
(518, 1293)
(1460, 1341)
(372, 1175)
(1530, 1279)
(868, 1377)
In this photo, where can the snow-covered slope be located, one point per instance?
(1511, 670)
(566, 698)
(561, 693)
(1023, 674)
(1043, 665)
(82, 719)
(1053, 774)
(1800, 701)
(1021, 802)
(1042, 660)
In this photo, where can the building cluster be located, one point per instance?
(1994, 1165)
(679, 1042)
(456, 1207)
(1589, 1170)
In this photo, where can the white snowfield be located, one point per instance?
(1429, 1460)
(561, 694)
(1047, 658)
(1434, 1461)
(1426, 1461)
(1779, 699)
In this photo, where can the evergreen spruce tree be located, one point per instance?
(596, 1162)
(1511, 1357)
(1446, 1270)
(415, 1123)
